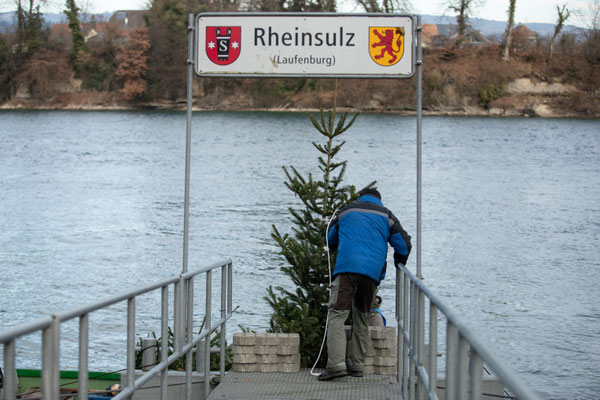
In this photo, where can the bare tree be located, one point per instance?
(563, 15)
(512, 5)
(29, 22)
(463, 9)
(386, 6)
(591, 48)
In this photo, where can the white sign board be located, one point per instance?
(305, 44)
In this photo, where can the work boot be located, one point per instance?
(328, 375)
(355, 374)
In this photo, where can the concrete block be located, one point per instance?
(369, 370)
(369, 360)
(270, 358)
(289, 359)
(382, 332)
(385, 352)
(266, 339)
(262, 349)
(288, 339)
(385, 344)
(384, 361)
(239, 349)
(288, 349)
(370, 349)
(244, 339)
(244, 358)
(243, 367)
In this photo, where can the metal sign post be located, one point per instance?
(419, 63)
(188, 141)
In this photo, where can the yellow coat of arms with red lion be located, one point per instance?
(386, 44)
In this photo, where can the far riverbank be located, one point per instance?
(522, 104)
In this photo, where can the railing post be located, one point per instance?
(207, 339)
(412, 341)
(131, 343)
(400, 335)
(230, 288)
(433, 332)
(164, 342)
(224, 325)
(476, 371)
(83, 375)
(50, 360)
(461, 367)
(189, 337)
(451, 350)
(10, 372)
(405, 344)
(179, 315)
(420, 340)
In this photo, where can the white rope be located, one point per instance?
(327, 319)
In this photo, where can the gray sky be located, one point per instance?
(527, 10)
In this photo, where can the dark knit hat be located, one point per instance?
(370, 192)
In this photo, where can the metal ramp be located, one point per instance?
(302, 385)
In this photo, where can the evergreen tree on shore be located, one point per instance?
(304, 310)
(72, 13)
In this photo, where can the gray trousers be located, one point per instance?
(337, 358)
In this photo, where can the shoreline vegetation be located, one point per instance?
(136, 60)
(456, 82)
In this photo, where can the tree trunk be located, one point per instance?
(563, 15)
(509, 29)
(461, 19)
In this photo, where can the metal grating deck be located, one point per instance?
(301, 385)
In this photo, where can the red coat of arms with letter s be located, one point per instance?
(223, 44)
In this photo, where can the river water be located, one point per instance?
(91, 204)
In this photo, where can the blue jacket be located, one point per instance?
(361, 233)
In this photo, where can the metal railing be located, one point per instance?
(465, 354)
(184, 338)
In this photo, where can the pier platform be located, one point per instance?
(302, 385)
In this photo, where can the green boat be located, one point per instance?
(100, 383)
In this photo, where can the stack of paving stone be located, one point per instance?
(266, 352)
(382, 350)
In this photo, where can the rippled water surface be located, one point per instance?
(91, 204)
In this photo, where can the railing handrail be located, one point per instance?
(44, 322)
(185, 339)
(412, 334)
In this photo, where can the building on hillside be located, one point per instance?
(90, 34)
(441, 34)
(524, 38)
(128, 19)
(428, 34)
(473, 37)
(61, 35)
(447, 30)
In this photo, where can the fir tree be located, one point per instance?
(33, 33)
(304, 310)
(72, 12)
